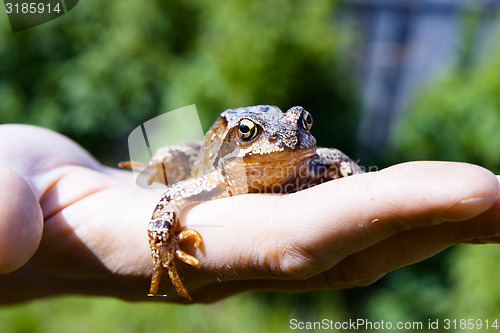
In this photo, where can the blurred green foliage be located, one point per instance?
(106, 67)
(456, 118)
(244, 313)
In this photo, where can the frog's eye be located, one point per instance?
(247, 129)
(306, 120)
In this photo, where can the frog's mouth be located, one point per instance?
(263, 172)
(268, 173)
(284, 158)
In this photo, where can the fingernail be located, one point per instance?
(467, 208)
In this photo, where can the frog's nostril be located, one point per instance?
(273, 137)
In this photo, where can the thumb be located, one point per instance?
(21, 221)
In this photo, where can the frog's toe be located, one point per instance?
(183, 236)
(132, 165)
(155, 280)
(187, 258)
(190, 233)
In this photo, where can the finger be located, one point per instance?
(400, 198)
(369, 265)
(360, 269)
(488, 239)
(308, 232)
(21, 221)
(409, 247)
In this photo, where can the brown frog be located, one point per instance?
(256, 149)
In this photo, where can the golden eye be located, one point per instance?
(306, 120)
(247, 129)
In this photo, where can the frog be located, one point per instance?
(254, 149)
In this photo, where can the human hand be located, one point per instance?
(340, 234)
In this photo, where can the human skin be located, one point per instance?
(70, 225)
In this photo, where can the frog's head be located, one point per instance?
(272, 144)
(265, 132)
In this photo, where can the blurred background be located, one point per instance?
(387, 81)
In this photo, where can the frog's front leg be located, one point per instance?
(164, 243)
(330, 163)
(325, 165)
(164, 240)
